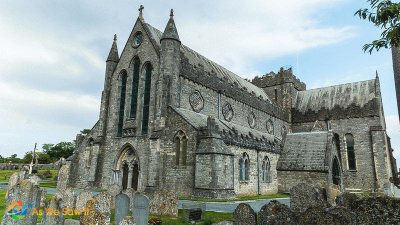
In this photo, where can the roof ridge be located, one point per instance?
(337, 85)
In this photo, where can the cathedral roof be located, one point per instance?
(208, 66)
(343, 95)
(198, 120)
(304, 152)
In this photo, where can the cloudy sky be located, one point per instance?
(53, 53)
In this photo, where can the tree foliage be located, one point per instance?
(60, 150)
(384, 14)
(42, 158)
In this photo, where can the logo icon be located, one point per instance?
(17, 210)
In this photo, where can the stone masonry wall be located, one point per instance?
(289, 179)
(362, 179)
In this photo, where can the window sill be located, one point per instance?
(244, 182)
(352, 170)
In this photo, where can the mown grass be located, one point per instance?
(3, 202)
(48, 185)
(240, 198)
(6, 174)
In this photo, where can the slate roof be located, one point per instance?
(198, 120)
(304, 152)
(208, 66)
(343, 95)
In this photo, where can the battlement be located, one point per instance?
(282, 77)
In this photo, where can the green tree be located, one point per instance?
(62, 149)
(41, 157)
(385, 15)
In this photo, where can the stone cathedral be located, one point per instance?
(172, 119)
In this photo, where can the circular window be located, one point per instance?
(137, 39)
(270, 127)
(196, 101)
(251, 119)
(227, 112)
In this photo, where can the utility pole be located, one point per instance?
(33, 157)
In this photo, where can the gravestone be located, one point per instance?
(22, 199)
(43, 197)
(68, 198)
(63, 179)
(82, 198)
(193, 212)
(276, 213)
(341, 215)
(103, 206)
(71, 222)
(141, 209)
(34, 179)
(244, 215)
(113, 191)
(304, 196)
(164, 203)
(53, 214)
(131, 193)
(127, 221)
(122, 203)
(92, 216)
(316, 215)
(15, 178)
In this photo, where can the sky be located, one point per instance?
(53, 54)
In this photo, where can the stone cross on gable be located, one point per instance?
(141, 11)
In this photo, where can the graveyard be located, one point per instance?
(308, 205)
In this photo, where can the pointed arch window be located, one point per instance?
(351, 157)
(335, 171)
(244, 167)
(266, 170)
(135, 87)
(123, 77)
(146, 99)
(180, 148)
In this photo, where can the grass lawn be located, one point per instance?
(2, 203)
(48, 185)
(6, 174)
(240, 198)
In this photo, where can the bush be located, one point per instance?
(44, 174)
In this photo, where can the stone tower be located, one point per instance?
(281, 87)
(170, 63)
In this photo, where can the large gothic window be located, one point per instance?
(122, 78)
(351, 157)
(180, 148)
(266, 170)
(135, 87)
(244, 167)
(146, 100)
(335, 171)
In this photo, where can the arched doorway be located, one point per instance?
(128, 168)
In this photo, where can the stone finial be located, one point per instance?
(171, 14)
(377, 76)
(115, 37)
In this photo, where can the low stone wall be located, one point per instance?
(18, 166)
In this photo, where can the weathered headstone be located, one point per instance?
(68, 197)
(164, 203)
(43, 197)
(304, 196)
(131, 193)
(341, 215)
(63, 179)
(22, 199)
(193, 212)
(127, 221)
(244, 215)
(315, 215)
(71, 222)
(15, 178)
(34, 179)
(103, 206)
(276, 213)
(141, 209)
(122, 203)
(114, 190)
(53, 215)
(89, 217)
(82, 198)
